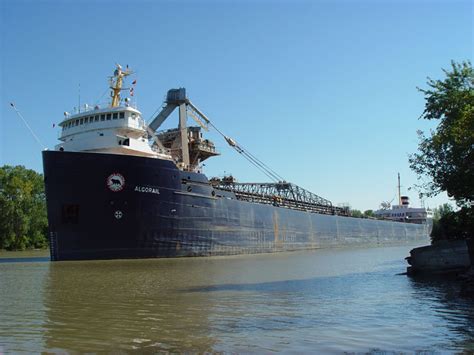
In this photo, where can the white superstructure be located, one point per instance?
(117, 128)
(403, 212)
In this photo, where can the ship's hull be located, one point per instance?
(105, 206)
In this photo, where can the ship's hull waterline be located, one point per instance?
(105, 206)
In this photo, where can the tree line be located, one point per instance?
(23, 220)
(445, 157)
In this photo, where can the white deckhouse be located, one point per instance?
(116, 129)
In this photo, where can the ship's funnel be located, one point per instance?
(405, 201)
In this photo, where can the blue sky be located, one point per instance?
(324, 92)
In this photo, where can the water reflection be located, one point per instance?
(124, 305)
(438, 297)
(323, 301)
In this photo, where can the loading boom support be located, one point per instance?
(188, 160)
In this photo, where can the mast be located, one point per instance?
(119, 74)
(399, 195)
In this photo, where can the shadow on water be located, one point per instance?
(326, 301)
(297, 285)
(442, 293)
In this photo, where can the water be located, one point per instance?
(345, 300)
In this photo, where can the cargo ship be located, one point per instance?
(117, 187)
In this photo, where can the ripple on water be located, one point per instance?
(321, 301)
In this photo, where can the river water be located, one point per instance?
(340, 300)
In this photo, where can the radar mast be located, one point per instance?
(116, 85)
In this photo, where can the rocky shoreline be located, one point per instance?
(445, 259)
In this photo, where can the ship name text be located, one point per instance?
(147, 189)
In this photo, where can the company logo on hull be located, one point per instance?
(116, 182)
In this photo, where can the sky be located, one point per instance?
(324, 92)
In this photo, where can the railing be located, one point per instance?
(100, 106)
(281, 194)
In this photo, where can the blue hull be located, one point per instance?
(104, 206)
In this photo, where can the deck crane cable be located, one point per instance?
(250, 157)
(101, 96)
(27, 125)
(200, 118)
(255, 163)
(258, 163)
(278, 177)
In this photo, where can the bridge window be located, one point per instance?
(115, 115)
(109, 116)
(122, 115)
(102, 117)
(76, 123)
(81, 121)
(96, 118)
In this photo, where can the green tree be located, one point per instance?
(369, 213)
(446, 155)
(448, 224)
(442, 211)
(23, 222)
(356, 213)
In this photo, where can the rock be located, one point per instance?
(447, 256)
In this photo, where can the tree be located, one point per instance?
(448, 224)
(23, 222)
(442, 211)
(356, 213)
(369, 213)
(446, 155)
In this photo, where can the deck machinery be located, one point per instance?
(119, 188)
(188, 148)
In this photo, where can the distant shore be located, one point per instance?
(32, 253)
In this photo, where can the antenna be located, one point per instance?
(399, 194)
(27, 125)
(79, 106)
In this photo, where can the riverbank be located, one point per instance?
(445, 259)
(32, 253)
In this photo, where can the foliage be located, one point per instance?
(360, 214)
(23, 221)
(448, 224)
(446, 155)
(356, 213)
(442, 211)
(369, 213)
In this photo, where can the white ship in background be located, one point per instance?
(403, 212)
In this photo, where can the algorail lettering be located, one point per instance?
(147, 189)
